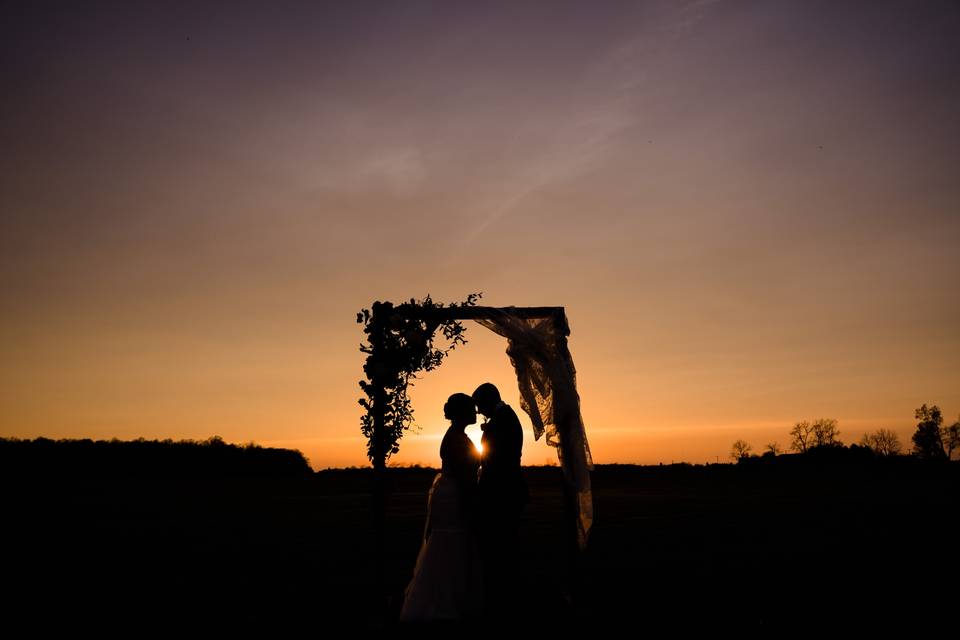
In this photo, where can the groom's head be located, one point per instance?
(486, 396)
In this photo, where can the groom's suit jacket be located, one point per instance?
(501, 484)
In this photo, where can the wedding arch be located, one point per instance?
(400, 342)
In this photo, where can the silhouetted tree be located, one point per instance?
(141, 457)
(883, 442)
(741, 449)
(927, 439)
(951, 438)
(801, 437)
(773, 448)
(825, 433)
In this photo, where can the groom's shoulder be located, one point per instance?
(507, 414)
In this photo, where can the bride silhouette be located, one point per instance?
(447, 581)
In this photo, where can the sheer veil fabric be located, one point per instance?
(538, 351)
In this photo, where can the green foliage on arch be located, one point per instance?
(399, 344)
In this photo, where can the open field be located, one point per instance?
(765, 545)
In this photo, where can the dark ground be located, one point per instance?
(774, 545)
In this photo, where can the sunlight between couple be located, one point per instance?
(468, 565)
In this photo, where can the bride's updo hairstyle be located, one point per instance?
(457, 405)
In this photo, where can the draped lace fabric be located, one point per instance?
(538, 350)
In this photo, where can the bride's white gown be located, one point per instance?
(447, 580)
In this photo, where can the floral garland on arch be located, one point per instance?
(399, 344)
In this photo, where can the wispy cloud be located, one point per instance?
(586, 134)
(400, 171)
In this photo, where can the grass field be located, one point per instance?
(725, 547)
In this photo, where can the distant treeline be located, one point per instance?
(161, 458)
(933, 440)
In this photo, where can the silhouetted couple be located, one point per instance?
(469, 566)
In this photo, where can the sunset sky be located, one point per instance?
(750, 211)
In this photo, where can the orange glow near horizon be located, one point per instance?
(659, 438)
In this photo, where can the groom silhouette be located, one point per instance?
(502, 494)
